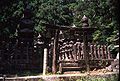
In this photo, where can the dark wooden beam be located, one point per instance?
(79, 29)
(55, 52)
(86, 28)
(85, 51)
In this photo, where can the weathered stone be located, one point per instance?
(114, 65)
(114, 70)
(117, 66)
(109, 68)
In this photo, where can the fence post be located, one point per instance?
(105, 51)
(55, 52)
(108, 49)
(102, 52)
(74, 52)
(98, 50)
(85, 42)
(45, 62)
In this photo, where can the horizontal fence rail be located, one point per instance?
(75, 52)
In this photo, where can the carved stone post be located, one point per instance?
(85, 42)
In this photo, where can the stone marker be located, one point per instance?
(45, 62)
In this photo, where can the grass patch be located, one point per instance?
(25, 73)
(98, 78)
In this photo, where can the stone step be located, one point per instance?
(69, 64)
(72, 72)
(72, 68)
(66, 69)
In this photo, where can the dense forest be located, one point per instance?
(103, 14)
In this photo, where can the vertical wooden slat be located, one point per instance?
(108, 50)
(60, 56)
(60, 67)
(63, 57)
(74, 52)
(68, 51)
(105, 51)
(95, 52)
(79, 51)
(71, 49)
(70, 55)
(91, 51)
(66, 56)
(60, 52)
(82, 54)
(63, 52)
(98, 51)
(102, 52)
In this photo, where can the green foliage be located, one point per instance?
(59, 72)
(41, 79)
(97, 78)
(101, 13)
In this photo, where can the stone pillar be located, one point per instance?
(45, 62)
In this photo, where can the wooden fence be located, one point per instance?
(72, 57)
(75, 52)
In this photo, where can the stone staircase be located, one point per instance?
(71, 65)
